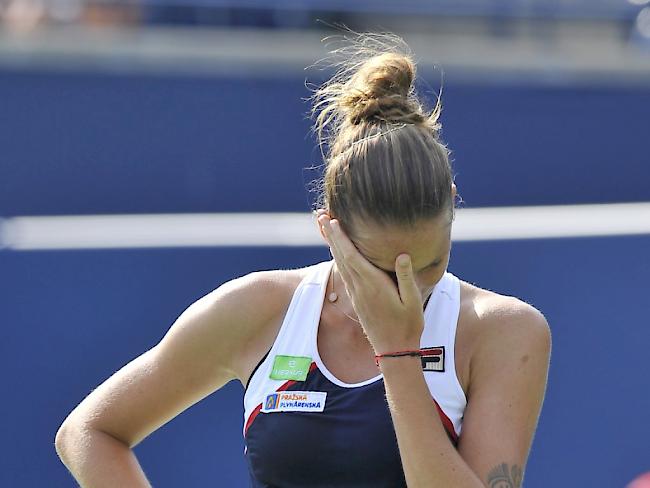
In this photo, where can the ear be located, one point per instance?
(453, 191)
(320, 229)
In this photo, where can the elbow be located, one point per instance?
(62, 440)
(68, 438)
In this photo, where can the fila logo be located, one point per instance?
(433, 358)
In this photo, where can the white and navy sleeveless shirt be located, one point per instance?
(303, 427)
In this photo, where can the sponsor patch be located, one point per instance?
(433, 358)
(294, 401)
(290, 368)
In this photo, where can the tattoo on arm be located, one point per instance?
(504, 476)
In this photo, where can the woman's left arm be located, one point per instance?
(507, 385)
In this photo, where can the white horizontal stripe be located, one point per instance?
(299, 229)
(160, 230)
(552, 221)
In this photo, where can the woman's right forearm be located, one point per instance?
(98, 460)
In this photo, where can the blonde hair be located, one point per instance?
(383, 155)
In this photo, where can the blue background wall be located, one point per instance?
(79, 142)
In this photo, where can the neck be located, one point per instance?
(338, 297)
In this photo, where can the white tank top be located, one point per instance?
(297, 338)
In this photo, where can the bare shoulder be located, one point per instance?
(252, 299)
(259, 301)
(499, 325)
(490, 313)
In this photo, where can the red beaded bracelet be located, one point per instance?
(396, 354)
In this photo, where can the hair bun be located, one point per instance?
(373, 84)
(384, 75)
(381, 90)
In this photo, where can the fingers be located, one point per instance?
(345, 250)
(335, 239)
(344, 245)
(408, 289)
(354, 268)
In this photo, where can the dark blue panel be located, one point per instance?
(98, 143)
(528, 145)
(89, 143)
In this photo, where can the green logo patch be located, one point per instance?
(290, 368)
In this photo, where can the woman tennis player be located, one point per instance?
(376, 369)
